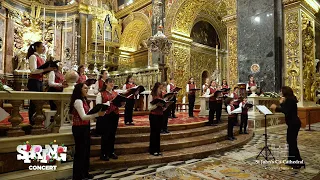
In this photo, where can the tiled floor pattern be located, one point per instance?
(237, 164)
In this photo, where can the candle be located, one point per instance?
(74, 36)
(55, 33)
(44, 24)
(95, 48)
(104, 41)
(65, 31)
(86, 34)
(217, 54)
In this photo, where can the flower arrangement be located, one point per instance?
(270, 94)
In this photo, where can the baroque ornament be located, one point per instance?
(159, 43)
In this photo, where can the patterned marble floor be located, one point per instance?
(240, 163)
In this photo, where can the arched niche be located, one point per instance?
(204, 33)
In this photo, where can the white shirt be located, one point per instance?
(51, 80)
(236, 111)
(208, 91)
(96, 87)
(33, 64)
(78, 105)
(99, 99)
(168, 88)
(187, 87)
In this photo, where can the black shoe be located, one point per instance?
(234, 138)
(166, 131)
(89, 176)
(162, 132)
(159, 154)
(131, 124)
(155, 154)
(230, 138)
(174, 117)
(240, 132)
(245, 132)
(104, 158)
(113, 156)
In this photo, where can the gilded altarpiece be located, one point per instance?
(300, 53)
(202, 60)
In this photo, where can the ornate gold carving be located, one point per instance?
(292, 59)
(232, 54)
(308, 56)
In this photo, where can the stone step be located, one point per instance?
(166, 145)
(178, 134)
(180, 154)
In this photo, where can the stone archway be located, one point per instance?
(135, 25)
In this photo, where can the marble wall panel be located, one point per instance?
(257, 37)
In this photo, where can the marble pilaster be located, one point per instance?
(259, 22)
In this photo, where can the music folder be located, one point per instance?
(168, 96)
(135, 90)
(248, 106)
(119, 100)
(225, 89)
(47, 64)
(161, 103)
(89, 82)
(97, 108)
(196, 89)
(176, 90)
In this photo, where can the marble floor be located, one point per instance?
(239, 163)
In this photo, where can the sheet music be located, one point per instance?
(263, 109)
(3, 114)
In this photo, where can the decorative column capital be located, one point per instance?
(311, 5)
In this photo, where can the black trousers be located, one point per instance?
(53, 106)
(155, 126)
(231, 122)
(165, 120)
(192, 99)
(128, 110)
(81, 161)
(292, 135)
(244, 122)
(218, 111)
(108, 135)
(33, 85)
(173, 107)
(212, 111)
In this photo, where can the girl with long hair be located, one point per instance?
(232, 117)
(224, 84)
(251, 83)
(82, 76)
(191, 95)
(212, 102)
(79, 107)
(109, 122)
(164, 129)
(155, 119)
(170, 87)
(288, 106)
(101, 81)
(130, 101)
(56, 83)
(35, 81)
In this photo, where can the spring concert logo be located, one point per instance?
(43, 154)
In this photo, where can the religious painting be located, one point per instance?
(204, 33)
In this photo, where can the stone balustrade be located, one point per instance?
(16, 98)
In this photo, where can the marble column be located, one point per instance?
(299, 49)
(260, 42)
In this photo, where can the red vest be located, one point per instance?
(225, 86)
(232, 115)
(158, 110)
(101, 82)
(76, 119)
(40, 62)
(129, 86)
(192, 86)
(244, 110)
(59, 78)
(235, 96)
(107, 96)
(212, 91)
(252, 84)
(82, 79)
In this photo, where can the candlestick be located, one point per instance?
(65, 34)
(74, 37)
(55, 33)
(104, 47)
(95, 50)
(44, 24)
